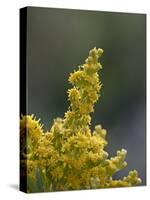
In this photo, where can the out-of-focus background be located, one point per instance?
(58, 40)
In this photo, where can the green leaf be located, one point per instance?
(31, 185)
(39, 180)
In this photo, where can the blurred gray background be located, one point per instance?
(58, 40)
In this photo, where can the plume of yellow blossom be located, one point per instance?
(71, 156)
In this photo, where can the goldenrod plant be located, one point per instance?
(70, 156)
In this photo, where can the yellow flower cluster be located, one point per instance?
(70, 155)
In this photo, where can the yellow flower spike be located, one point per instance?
(117, 163)
(85, 92)
(71, 155)
(132, 178)
(30, 130)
